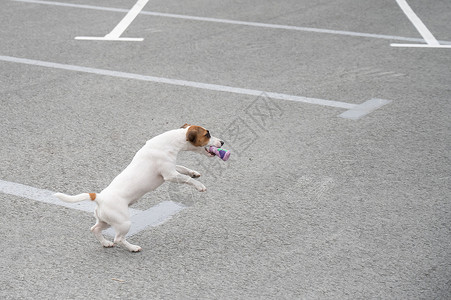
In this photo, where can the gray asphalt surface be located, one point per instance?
(310, 205)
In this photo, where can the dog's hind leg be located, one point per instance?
(97, 230)
(121, 230)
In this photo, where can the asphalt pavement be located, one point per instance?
(310, 205)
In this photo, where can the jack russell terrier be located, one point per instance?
(154, 164)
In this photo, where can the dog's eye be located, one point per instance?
(208, 134)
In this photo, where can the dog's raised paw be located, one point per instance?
(195, 174)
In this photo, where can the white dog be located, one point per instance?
(154, 164)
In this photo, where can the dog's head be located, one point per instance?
(200, 139)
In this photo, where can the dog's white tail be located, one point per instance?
(76, 198)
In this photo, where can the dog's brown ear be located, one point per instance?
(191, 136)
(185, 125)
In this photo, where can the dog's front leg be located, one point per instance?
(181, 178)
(186, 171)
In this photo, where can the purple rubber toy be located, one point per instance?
(223, 154)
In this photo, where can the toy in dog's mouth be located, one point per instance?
(221, 153)
(209, 152)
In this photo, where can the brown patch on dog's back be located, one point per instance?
(198, 136)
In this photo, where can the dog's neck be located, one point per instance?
(172, 141)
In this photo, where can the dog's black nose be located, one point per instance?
(222, 143)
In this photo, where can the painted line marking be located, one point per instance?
(141, 220)
(431, 41)
(363, 109)
(420, 46)
(234, 22)
(115, 34)
(419, 25)
(206, 86)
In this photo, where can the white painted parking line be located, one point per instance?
(431, 41)
(235, 22)
(420, 46)
(419, 25)
(362, 108)
(141, 220)
(115, 34)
